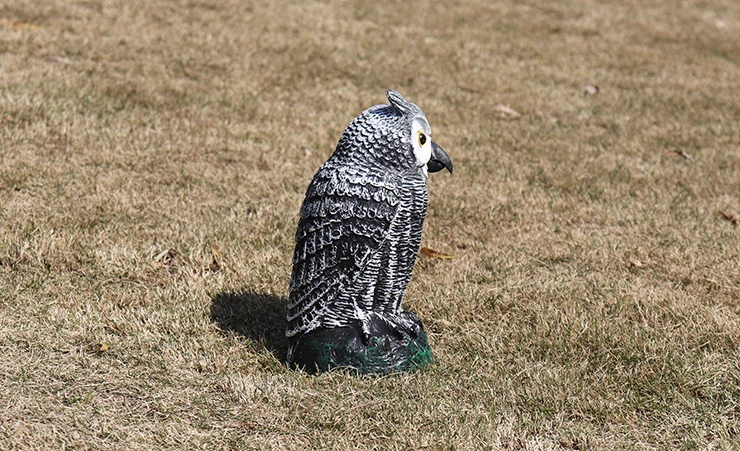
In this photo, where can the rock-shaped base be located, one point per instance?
(386, 349)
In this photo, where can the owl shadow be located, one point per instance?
(256, 316)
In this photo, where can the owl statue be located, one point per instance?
(357, 240)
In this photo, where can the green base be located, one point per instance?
(385, 351)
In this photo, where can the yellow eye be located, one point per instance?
(422, 138)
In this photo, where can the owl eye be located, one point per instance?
(422, 138)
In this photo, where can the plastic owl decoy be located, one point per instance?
(357, 240)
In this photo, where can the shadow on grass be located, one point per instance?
(259, 317)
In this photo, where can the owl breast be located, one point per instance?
(395, 261)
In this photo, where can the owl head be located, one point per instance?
(394, 136)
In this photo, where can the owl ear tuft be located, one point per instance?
(398, 102)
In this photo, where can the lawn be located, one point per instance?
(154, 156)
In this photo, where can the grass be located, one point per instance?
(155, 155)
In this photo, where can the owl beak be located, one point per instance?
(439, 160)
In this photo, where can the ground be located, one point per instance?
(154, 155)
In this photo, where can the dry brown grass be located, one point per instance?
(154, 155)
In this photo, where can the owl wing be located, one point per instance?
(345, 218)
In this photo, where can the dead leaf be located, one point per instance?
(215, 265)
(58, 59)
(685, 156)
(591, 90)
(161, 255)
(729, 217)
(165, 257)
(679, 153)
(20, 25)
(435, 254)
(506, 111)
(97, 348)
